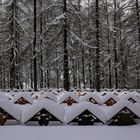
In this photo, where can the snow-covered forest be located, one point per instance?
(73, 43)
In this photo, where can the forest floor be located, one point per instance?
(16, 132)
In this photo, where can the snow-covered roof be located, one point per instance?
(90, 95)
(109, 96)
(48, 95)
(24, 95)
(130, 96)
(55, 92)
(50, 106)
(36, 95)
(80, 108)
(63, 96)
(3, 97)
(119, 106)
(11, 109)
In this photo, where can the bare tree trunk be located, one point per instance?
(74, 71)
(13, 46)
(66, 61)
(34, 48)
(97, 48)
(138, 23)
(41, 50)
(90, 50)
(108, 42)
(115, 47)
(57, 71)
(48, 77)
(31, 67)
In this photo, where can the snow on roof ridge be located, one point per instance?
(49, 95)
(116, 108)
(108, 96)
(63, 96)
(3, 97)
(25, 95)
(130, 95)
(11, 108)
(47, 104)
(81, 107)
(90, 95)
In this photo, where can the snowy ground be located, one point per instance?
(70, 132)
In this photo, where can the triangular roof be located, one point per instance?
(11, 109)
(114, 110)
(109, 96)
(48, 95)
(25, 96)
(63, 96)
(90, 95)
(47, 104)
(80, 108)
(128, 96)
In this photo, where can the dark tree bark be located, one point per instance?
(108, 42)
(13, 45)
(138, 23)
(82, 48)
(115, 47)
(34, 47)
(41, 49)
(97, 48)
(66, 61)
(57, 71)
(90, 51)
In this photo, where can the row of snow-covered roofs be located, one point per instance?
(71, 97)
(47, 110)
(90, 104)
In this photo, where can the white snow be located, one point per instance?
(48, 95)
(130, 96)
(47, 104)
(116, 108)
(3, 97)
(90, 95)
(24, 95)
(63, 96)
(109, 96)
(70, 132)
(81, 107)
(12, 109)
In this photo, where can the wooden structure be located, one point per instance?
(69, 101)
(22, 98)
(123, 113)
(22, 101)
(110, 102)
(110, 99)
(68, 97)
(43, 117)
(44, 111)
(85, 113)
(124, 117)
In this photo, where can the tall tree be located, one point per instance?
(115, 45)
(35, 46)
(66, 61)
(138, 24)
(97, 46)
